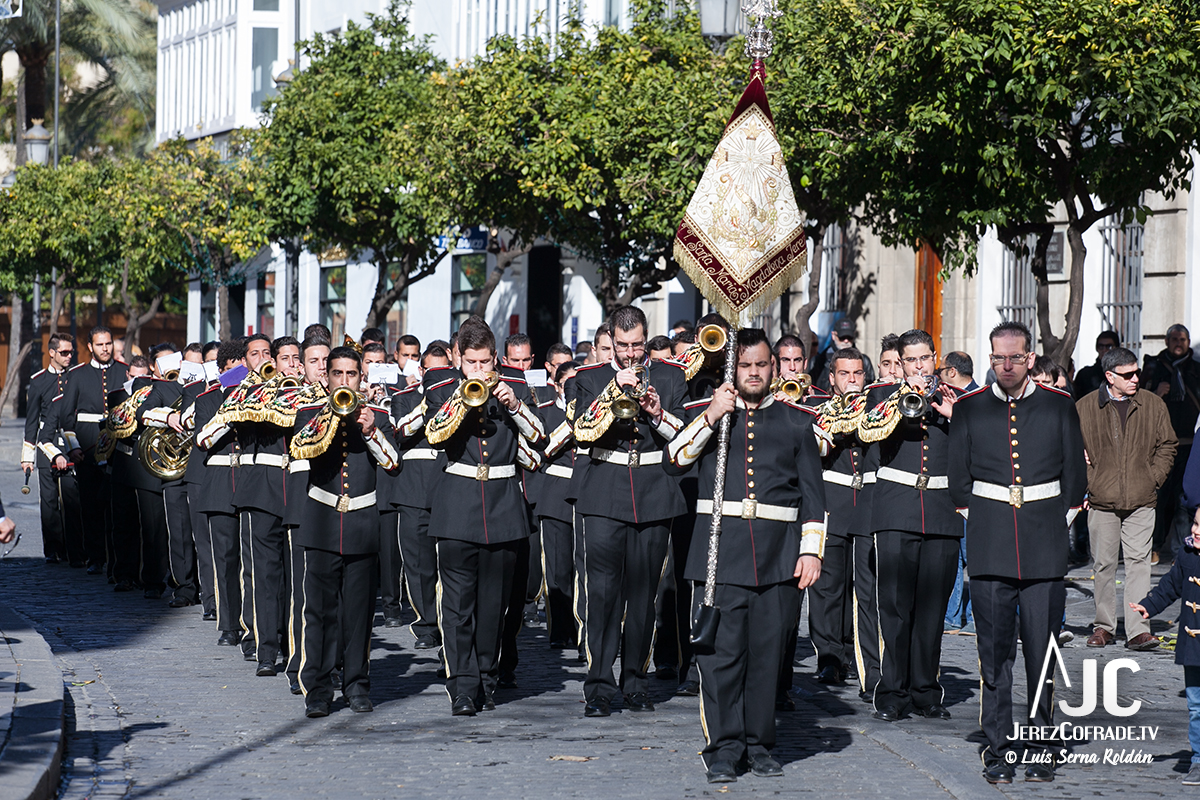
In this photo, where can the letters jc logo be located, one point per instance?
(1088, 704)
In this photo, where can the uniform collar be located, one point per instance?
(54, 371)
(98, 365)
(1030, 387)
(767, 401)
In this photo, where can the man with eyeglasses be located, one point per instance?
(1091, 377)
(916, 535)
(62, 528)
(1017, 475)
(1127, 470)
(625, 502)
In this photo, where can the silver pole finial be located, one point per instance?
(759, 38)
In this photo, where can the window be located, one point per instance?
(266, 304)
(264, 50)
(836, 265)
(333, 300)
(470, 273)
(1018, 299)
(1121, 281)
(208, 312)
(266, 5)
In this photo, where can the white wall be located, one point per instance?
(429, 305)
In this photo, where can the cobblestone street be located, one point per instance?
(156, 709)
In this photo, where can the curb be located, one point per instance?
(32, 755)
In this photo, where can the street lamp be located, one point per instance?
(719, 18)
(284, 79)
(37, 144)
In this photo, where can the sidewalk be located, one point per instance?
(31, 712)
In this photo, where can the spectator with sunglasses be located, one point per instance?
(1129, 445)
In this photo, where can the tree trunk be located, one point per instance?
(1066, 346)
(16, 354)
(10, 381)
(385, 298)
(803, 319)
(17, 126)
(60, 301)
(34, 59)
(135, 318)
(504, 260)
(1047, 341)
(223, 333)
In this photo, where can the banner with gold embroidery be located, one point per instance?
(742, 239)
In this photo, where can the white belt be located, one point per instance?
(341, 502)
(297, 465)
(83, 416)
(920, 481)
(482, 472)
(853, 481)
(227, 460)
(558, 471)
(420, 454)
(272, 460)
(632, 459)
(749, 509)
(124, 448)
(1016, 495)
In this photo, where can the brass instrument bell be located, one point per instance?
(916, 404)
(267, 370)
(476, 391)
(626, 405)
(712, 338)
(344, 401)
(795, 388)
(171, 375)
(288, 382)
(348, 341)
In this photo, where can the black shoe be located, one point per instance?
(722, 772)
(335, 677)
(210, 616)
(426, 641)
(152, 594)
(1039, 773)
(507, 680)
(360, 703)
(597, 708)
(182, 602)
(393, 622)
(249, 655)
(123, 586)
(95, 569)
(488, 704)
(230, 638)
(265, 670)
(666, 674)
(935, 711)
(765, 767)
(830, 676)
(887, 714)
(638, 702)
(562, 644)
(866, 697)
(53, 559)
(688, 689)
(784, 702)
(463, 707)
(317, 708)
(294, 686)
(997, 772)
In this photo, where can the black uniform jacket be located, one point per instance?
(346, 469)
(80, 411)
(645, 493)
(422, 462)
(482, 511)
(195, 466)
(848, 487)
(222, 454)
(916, 446)
(773, 461)
(157, 406)
(44, 386)
(125, 464)
(1029, 441)
(553, 482)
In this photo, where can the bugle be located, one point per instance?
(712, 338)
(795, 388)
(474, 392)
(626, 405)
(344, 401)
(916, 403)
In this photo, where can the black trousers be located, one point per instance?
(995, 602)
(246, 582)
(126, 559)
(54, 536)
(181, 542)
(418, 551)
(295, 567)
(558, 568)
(916, 576)
(672, 643)
(390, 566)
(339, 604)
(224, 532)
(474, 583)
(1169, 504)
(204, 552)
(623, 564)
(267, 586)
(737, 690)
(95, 495)
(842, 621)
(156, 562)
(514, 611)
(72, 516)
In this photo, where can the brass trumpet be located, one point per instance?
(626, 405)
(916, 404)
(712, 338)
(348, 341)
(171, 375)
(344, 401)
(267, 370)
(476, 391)
(288, 382)
(795, 388)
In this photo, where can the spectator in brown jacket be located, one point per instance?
(1130, 446)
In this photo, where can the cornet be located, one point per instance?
(795, 388)
(267, 370)
(915, 404)
(344, 401)
(712, 338)
(171, 375)
(474, 392)
(626, 405)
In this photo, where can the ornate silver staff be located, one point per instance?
(740, 258)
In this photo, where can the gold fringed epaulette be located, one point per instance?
(692, 360)
(599, 416)
(105, 445)
(571, 411)
(447, 419)
(842, 413)
(122, 421)
(878, 423)
(317, 434)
